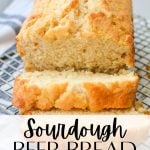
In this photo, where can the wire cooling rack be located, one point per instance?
(11, 65)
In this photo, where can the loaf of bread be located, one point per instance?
(74, 90)
(93, 35)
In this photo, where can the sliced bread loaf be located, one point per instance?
(74, 90)
(81, 34)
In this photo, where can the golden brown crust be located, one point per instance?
(116, 95)
(138, 109)
(67, 96)
(25, 95)
(30, 96)
(113, 18)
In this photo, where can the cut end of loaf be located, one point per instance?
(74, 90)
(100, 55)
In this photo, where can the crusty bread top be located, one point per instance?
(56, 19)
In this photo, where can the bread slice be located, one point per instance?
(81, 34)
(137, 109)
(74, 90)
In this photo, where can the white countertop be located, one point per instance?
(142, 8)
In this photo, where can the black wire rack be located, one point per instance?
(11, 66)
